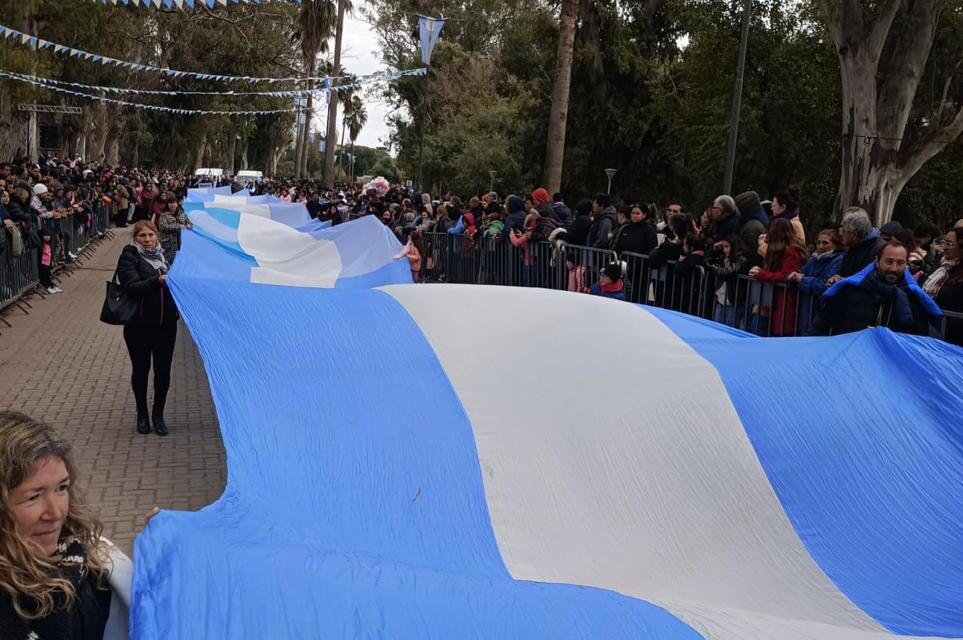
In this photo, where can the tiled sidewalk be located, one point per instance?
(62, 365)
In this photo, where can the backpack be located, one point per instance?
(16, 242)
(544, 227)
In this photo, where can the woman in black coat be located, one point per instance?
(151, 334)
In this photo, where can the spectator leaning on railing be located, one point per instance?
(881, 295)
(945, 284)
(861, 240)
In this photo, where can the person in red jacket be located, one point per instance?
(785, 254)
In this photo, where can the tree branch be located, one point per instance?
(931, 145)
(903, 70)
(946, 90)
(880, 33)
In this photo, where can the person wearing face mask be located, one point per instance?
(881, 295)
(54, 567)
(152, 332)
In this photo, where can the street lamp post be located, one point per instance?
(491, 185)
(737, 99)
(611, 174)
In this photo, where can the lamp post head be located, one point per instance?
(611, 173)
(492, 173)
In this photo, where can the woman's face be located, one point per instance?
(951, 250)
(778, 208)
(637, 215)
(726, 248)
(824, 242)
(715, 213)
(40, 503)
(146, 238)
(172, 205)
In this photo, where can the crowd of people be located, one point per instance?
(852, 276)
(846, 278)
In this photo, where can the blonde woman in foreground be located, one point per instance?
(53, 563)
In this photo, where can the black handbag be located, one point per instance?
(119, 308)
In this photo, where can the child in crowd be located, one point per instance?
(46, 262)
(610, 284)
(577, 274)
(413, 253)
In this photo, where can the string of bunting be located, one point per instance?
(359, 81)
(149, 107)
(180, 4)
(33, 41)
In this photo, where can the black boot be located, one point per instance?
(160, 427)
(143, 424)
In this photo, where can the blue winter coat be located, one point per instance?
(815, 274)
(817, 271)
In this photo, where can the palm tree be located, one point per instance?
(328, 176)
(345, 96)
(356, 117)
(315, 22)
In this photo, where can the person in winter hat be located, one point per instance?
(610, 284)
(753, 219)
(889, 230)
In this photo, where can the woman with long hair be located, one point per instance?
(945, 285)
(152, 332)
(53, 563)
(786, 253)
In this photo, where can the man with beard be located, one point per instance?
(881, 295)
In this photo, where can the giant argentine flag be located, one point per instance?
(445, 461)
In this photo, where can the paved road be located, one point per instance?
(61, 365)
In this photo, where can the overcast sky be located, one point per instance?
(362, 55)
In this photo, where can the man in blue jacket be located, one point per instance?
(881, 295)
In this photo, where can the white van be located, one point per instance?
(249, 176)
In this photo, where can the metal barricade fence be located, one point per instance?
(951, 327)
(586, 265)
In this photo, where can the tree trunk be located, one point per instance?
(298, 141)
(332, 133)
(201, 150)
(113, 151)
(302, 159)
(558, 118)
(878, 96)
(98, 133)
(244, 164)
(341, 155)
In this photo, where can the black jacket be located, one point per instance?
(858, 256)
(602, 226)
(142, 282)
(856, 308)
(562, 213)
(578, 233)
(637, 237)
(950, 298)
(20, 213)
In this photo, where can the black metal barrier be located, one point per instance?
(739, 301)
(72, 237)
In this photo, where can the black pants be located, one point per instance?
(45, 277)
(143, 345)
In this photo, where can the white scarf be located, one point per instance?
(935, 282)
(154, 257)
